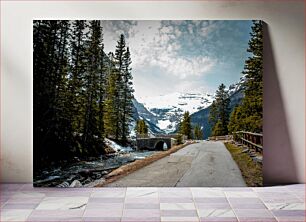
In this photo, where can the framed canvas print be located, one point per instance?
(158, 103)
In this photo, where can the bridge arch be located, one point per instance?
(155, 143)
(161, 145)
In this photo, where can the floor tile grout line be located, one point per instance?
(8, 198)
(231, 206)
(158, 197)
(293, 192)
(266, 206)
(253, 190)
(36, 206)
(123, 206)
(193, 199)
(91, 191)
(5, 202)
(258, 196)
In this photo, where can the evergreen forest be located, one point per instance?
(246, 116)
(81, 94)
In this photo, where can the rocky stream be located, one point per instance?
(87, 173)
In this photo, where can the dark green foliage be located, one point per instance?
(119, 94)
(222, 101)
(179, 138)
(118, 59)
(246, 109)
(127, 95)
(197, 132)
(80, 94)
(111, 111)
(75, 93)
(218, 129)
(52, 125)
(235, 122)
(202, 117)
(185, 126)
(219, 112)
(91, 133)
(213, 114)
(248, 116)
(141, 128)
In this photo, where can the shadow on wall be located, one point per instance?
(278, 162)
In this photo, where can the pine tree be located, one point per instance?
(197, 132)
(119, 62)
(213, 114)
(141, 128)
(222, 99)
(218, 129)
(45, 37)
(62, 124)
(93, 53)
(253, 101)
(248, 116)
(219, 112)
(52, 127)
(185, 127)
(101, 92)
(110, 108)
(235, 122)
(80, 94)
(77, 75)
(127, 95)
(179, 138)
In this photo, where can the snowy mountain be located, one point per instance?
(201, 117)
(165, 111)
(233, 88)
(140, 112)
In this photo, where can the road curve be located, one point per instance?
(203, 164)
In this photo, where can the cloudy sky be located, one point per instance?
(181, 56)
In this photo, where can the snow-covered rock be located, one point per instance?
(116, 147)
(76, 184)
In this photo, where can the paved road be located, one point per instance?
(204, 164)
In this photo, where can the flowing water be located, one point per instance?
(86, 173)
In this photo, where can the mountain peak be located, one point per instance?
(166, 110)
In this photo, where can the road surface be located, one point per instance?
(203, 164)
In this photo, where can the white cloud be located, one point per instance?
(182, 67)
(155, 45)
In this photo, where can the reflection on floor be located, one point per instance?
(22, 202)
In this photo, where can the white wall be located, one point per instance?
(284, 107)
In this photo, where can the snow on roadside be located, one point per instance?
(116, 147)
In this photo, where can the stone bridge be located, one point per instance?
(155, 143)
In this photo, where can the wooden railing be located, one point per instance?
(226, 137)
(251, 140)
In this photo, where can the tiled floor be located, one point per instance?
(22, 202)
